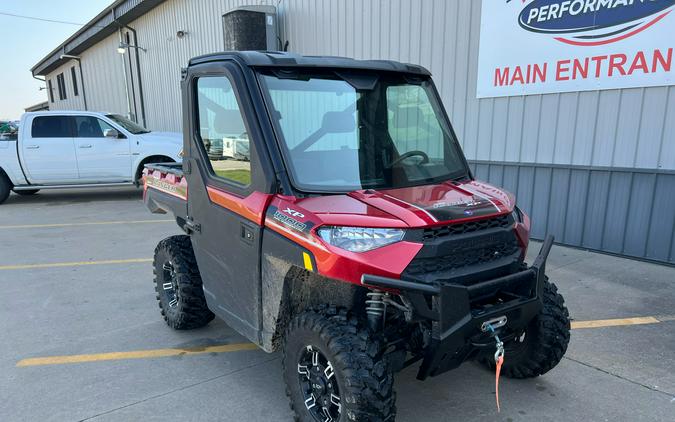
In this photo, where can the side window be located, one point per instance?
(412, 122)
(51, 127)
(90, 127)
(222, 131)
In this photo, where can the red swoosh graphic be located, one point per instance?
(611, 40)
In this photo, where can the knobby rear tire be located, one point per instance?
(189, 310)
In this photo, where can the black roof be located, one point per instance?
(283, 59)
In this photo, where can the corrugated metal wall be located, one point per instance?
(103, 80)
(595, 168)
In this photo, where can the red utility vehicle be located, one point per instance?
(347, 231)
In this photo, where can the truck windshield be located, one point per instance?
(127, 124)
(348, 131)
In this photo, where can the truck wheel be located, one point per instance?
(178, 284)
(335, 370)
(26, 192)
(5, 187)
(543, 343)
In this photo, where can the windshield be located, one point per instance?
(361, 131)
(127, 124)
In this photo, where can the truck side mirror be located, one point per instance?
(111, 133)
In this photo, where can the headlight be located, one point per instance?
(359, 239)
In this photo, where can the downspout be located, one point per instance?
(138, 73)
(131, 79)
(124, 66)
(84, 92)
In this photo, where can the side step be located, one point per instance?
(80, 186)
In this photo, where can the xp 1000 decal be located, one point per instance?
(547, 46)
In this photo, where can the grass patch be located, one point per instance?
(242, 176)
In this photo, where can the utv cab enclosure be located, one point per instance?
(349, 233)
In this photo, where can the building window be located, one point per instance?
(61, 83)
(72, 74)
(51, 91)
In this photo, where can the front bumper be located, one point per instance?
(457, 312)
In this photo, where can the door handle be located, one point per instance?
(85, 146)
(32, 146)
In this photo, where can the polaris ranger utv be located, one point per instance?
(353, 237)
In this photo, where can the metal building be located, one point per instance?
(594, 168)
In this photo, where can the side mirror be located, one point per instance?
(111, 133)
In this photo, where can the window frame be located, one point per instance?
(213, 179)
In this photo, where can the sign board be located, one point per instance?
(546, 46)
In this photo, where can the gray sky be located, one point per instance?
(26, 41)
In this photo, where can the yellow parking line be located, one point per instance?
(225, 348)
(94, 223)
(75, 264)
(138, 354)
(614, 322)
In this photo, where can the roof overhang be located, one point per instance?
(118, 14)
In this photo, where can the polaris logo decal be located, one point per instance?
(592, 22)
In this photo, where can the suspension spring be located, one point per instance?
(376, 309)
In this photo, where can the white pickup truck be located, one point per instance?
(68, 149)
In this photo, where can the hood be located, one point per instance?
(417, 206)
(166, 137)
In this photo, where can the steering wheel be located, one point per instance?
(405, 156)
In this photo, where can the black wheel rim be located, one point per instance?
(169, 285)
(318, 385)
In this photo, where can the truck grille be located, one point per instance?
(465, 253)
(464, 258)
(462, 228)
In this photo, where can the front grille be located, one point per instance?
(465, 253)
(462, 228)
(464, 258)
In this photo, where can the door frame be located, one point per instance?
(205, 190)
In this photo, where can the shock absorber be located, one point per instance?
(375, 309)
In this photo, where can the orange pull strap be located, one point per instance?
(499, 362)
